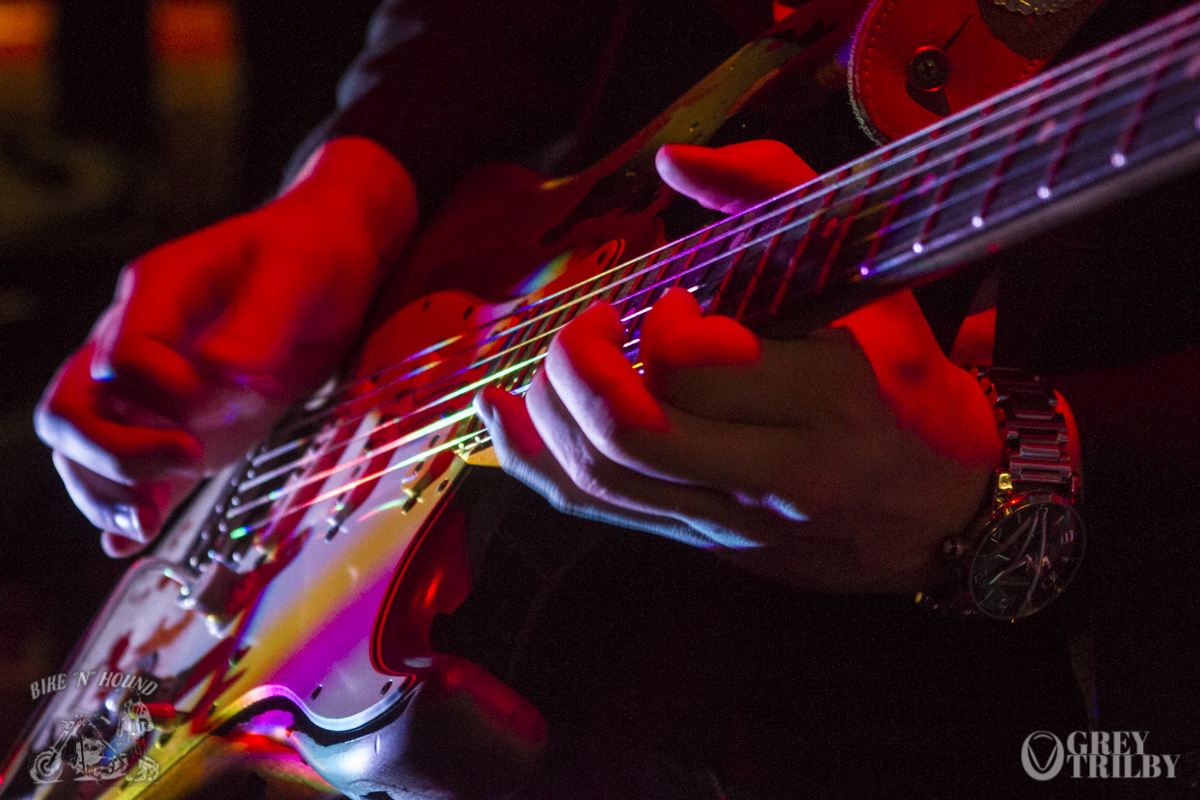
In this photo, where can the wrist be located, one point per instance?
(354, 188)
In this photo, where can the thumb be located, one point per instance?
(733, 178)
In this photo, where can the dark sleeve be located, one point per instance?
(448, 85)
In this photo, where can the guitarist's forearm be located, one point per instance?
(367, 194)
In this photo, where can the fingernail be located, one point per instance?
(129, 525)
(785, 508)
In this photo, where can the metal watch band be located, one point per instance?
(1035, 465)
(1034, 433)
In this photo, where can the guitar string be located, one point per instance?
(477, 438)
(953, 175)
(890, 153)
(974, 166)
(489, 379)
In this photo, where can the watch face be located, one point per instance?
(1030, 554)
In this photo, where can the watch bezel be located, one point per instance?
(1013, 506)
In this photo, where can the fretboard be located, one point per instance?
(1083, 135)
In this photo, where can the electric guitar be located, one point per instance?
(292, 599)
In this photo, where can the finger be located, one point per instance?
(132, 513)
(697, 515)
(585, 362)
(760, 463)
(73, 417)
(508, 422)
(762, 542)
(522, 454)
(675, 335)
(608, 401)
(152, 375)
(733, 178)
(795, 383)
(116, 546)
(163, 299)
(713, 367)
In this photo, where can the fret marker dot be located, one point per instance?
(1118, 159)
(1044, 192)
(1046, 131)
(864, 271)
(976, 221)
(918, 248)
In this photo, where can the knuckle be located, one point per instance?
(587, 475)
(624, 444)
(46, 419)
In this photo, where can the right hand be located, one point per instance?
(212, 336)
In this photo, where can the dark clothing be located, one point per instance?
(664, 672)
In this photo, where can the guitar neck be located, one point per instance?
(1096, 129)
(1083, 135)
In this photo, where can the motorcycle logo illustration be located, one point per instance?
(91, 754)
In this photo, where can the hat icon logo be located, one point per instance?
(1042, 755)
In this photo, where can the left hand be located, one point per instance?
(836, 462)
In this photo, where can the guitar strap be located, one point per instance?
(910, 68)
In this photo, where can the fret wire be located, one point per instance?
(1126, 140)
(793, 262)
(626, 284)
(735, 260)
(539, 339)
(802, 246)
(1064, 144)
(704, 280)
(764, 259)
(844, 230)
(1078, 68)
(532, 342)
(931, 218)
(656, 287)
(889, 212)
(1008, 174)
(687, 266)
(636, 294)
(1096, 145)
(509, 345)
(1010, 151)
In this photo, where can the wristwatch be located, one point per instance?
(1026, 544)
